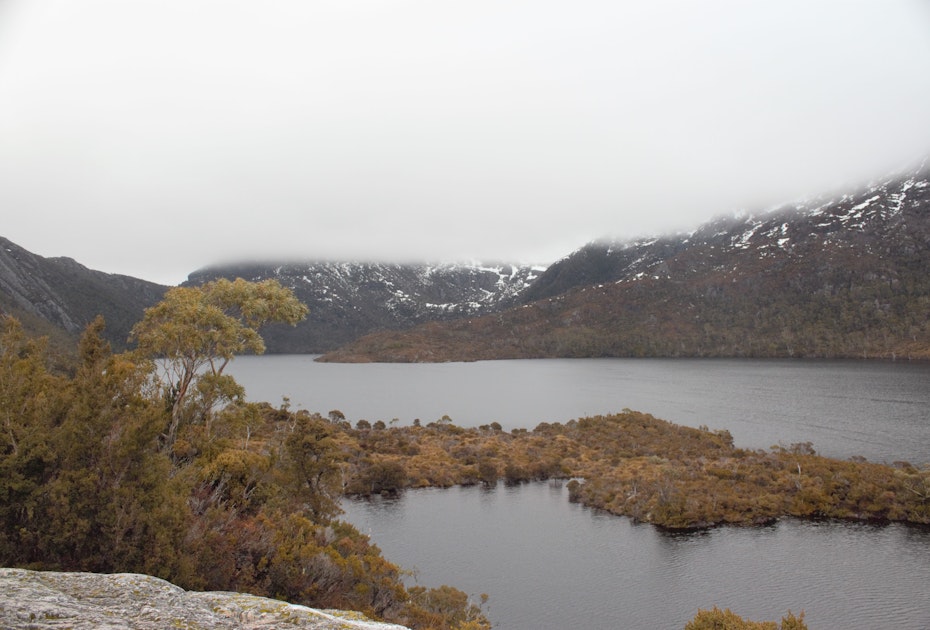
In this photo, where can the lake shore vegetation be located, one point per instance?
(653, 471)
(152, 461)
(717, 619)
(103, 470)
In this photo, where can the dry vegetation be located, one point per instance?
(635, 465)
(95, 475)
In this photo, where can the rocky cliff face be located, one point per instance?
(67, 295)
(42, 600)
(347, 300)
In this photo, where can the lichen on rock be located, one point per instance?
(42, 600)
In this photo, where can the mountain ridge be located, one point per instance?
(348, 300)
(59, 296)
(839, 277)
(606, 260)
(793, 281)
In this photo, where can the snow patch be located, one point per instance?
(865, 204)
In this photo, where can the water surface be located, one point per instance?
(878, 410)
(548, 564)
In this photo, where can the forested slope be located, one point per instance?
(121, 464)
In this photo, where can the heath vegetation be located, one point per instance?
(648, 469)
(152, 462)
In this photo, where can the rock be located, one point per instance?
(45, 599)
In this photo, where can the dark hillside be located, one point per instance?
(846, 277)
(50, 295)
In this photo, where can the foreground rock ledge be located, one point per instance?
(46, 599)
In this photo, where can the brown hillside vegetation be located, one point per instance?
(635, 465)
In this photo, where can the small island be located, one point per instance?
(635, 465)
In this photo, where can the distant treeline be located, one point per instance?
(840, 312)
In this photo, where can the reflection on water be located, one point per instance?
(547, 563)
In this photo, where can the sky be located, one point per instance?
(155, 137)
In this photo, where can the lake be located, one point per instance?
(879, 410)
(547, 563)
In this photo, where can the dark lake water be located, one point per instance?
(878, 410)
(548, 564)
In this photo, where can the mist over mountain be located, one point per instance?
(840, 276)
(59, 296)
(830, 277)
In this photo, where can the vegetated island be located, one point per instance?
(633, 464)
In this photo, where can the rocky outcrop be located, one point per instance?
(68, 295)
(44, 600)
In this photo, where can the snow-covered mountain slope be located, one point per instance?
(348, 299)
(878, 236)
(842, 277)
(889, 217)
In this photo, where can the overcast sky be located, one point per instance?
(154, 137)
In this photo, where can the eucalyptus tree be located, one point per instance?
(195, 332)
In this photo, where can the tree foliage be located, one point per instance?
(86, 488)
(251, 504)
(30, 408)
(196, 332)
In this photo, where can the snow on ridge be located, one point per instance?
(865, 204)
(744, 239)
